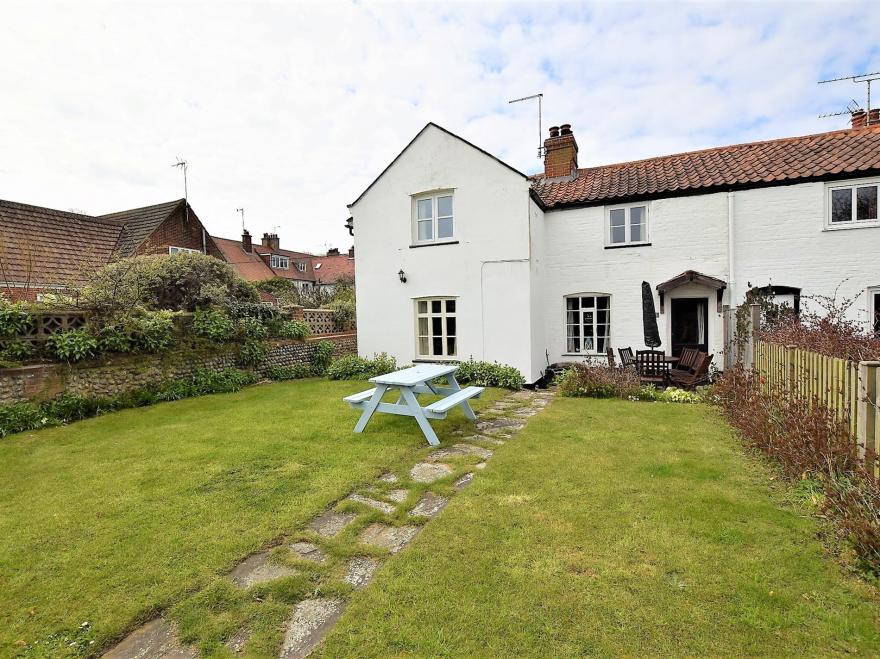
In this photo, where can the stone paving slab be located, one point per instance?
(331, 523)
(459, 450)
(381, 506)
(392, 538)
(463, 481)
(155, 640)
(481, 465)
(309, 551)
(426, 472)
(307, 626)
(429, 505)
(387, 477)
(237, 641)
(360, 570)
(491, 424)
(399, 495)
(256, 569)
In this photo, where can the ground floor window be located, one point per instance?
(436, 327)
(174, 249)
(587, 323)
(874, 310)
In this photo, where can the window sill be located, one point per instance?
(866, 224)
(624, 245)
(434, 244)
(435, 360)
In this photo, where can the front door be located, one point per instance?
(690, 324)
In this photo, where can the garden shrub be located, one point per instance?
(489, 374)
(17, 350)
(321, 357)
(252, 352)
(213, 325)
(582, 380)
(352, 367)
(252, 328)
(256, 310)
(20, 417)
(14, 319)
(152, 331)
(344, 313)
(294, 372)
(668, 395)
(291, 329)
(72, 345)
(113, 338)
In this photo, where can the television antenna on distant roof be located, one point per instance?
(853, 106)
(183, 165)
(241, 210)
(540, 130)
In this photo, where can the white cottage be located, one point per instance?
(460, 255)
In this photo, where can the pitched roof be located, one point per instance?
(330, 269)
(46, 246)
(773, 162)
(292, 272)
(140, 223)
(250, 266)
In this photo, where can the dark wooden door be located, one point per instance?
(690, 324)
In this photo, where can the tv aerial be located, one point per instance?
(853, 106)
(540, 131)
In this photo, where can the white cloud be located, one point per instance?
(292, 109)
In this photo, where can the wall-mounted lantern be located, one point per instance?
(401, 275)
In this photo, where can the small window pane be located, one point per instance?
(450, 306)
(573, 303)
(574, 345)
(618, 217)
(841, 205)
(450, 346)
(435, 306)
(602, 302)
(423, 345)
(423, 306)
(450, 325)
(636, 232)
(436, 325)
(866, 203)
(437, 343)
(618, 234)
(425, 212)
(423, 327)
(444, 227)
(588, 302)
(571, 317)
(444, 206)
(426, 230)
(637, 215)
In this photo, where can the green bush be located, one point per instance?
(252, 352)
(20, 417)
(213, 325)
(72, 345)
(352, 367)
(294, 372)
(669, 395)
(151, 332)
(248, 309)
(14, 319)
(292, 329)
(17, 350)
(114, 338)
(252, 328)
(344, 315)
(581, 380)
(489, 374)
(321, 357)
(206, 381)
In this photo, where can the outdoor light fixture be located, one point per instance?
(401, 275)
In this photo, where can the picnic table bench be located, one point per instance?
(411, 382)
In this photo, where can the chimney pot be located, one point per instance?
(246, 242)
(565, 129)
(873, 116)
(859, 119)
(271, 241)
(554, 131)
(333, 251)
(560, 152)
(351, 252)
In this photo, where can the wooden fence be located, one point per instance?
(849, 389)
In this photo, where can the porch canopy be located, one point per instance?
(692, 277)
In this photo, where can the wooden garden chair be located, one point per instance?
(609, 353)
(687, 360)
(699, 375)
(653, 367)
(626, 357)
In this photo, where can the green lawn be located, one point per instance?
(609, 528)
(109, 520)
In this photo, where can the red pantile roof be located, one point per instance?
(295, 257)
(250, 266)
(330, 269)
(774, 162)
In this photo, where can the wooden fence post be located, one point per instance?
(754, 326)
(866, 427)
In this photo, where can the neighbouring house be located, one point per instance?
(43, 250)
(268, 259)
(461, 255)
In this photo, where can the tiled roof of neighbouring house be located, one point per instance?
(295, 257)
(330, 269)
(140, 223)
(249, 266)
(774, 162)
(46, 246)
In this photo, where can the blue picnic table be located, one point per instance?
(411, 382)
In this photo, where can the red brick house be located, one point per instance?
(46, 250)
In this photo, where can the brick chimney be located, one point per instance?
(860, 118)
(246, 243)
(333, 251)
(351, 252)
(271, 241)
(560, 152)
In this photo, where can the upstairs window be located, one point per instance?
(628, 225)
(279, 262)
(300, 266)
(853, 205)
(436, 331)
(433, 218)
(172, 249)
(587, 323)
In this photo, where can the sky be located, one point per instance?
(290, 110)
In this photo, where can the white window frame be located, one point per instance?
(434, 195)
(279, 262)
(851, 185)
(580, 324)
(301, 266)
(873, 307)
(430, 336)
(627, 209)
(174, 249)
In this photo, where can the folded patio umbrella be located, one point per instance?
(649, 317)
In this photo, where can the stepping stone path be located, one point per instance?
(426, 472)
(381, 506)
(256, 568)
(392, 538)
(311, 619)
(308, 551)
(155, 640)
(429, 505)
(360, 570)
(331, 523)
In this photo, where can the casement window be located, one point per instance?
(852, 205)
(874, 309)
(300, 266)
(628, 225)
(280, 262)
(182, 250)
(436, 332)
(433, 218)
(587, 323)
